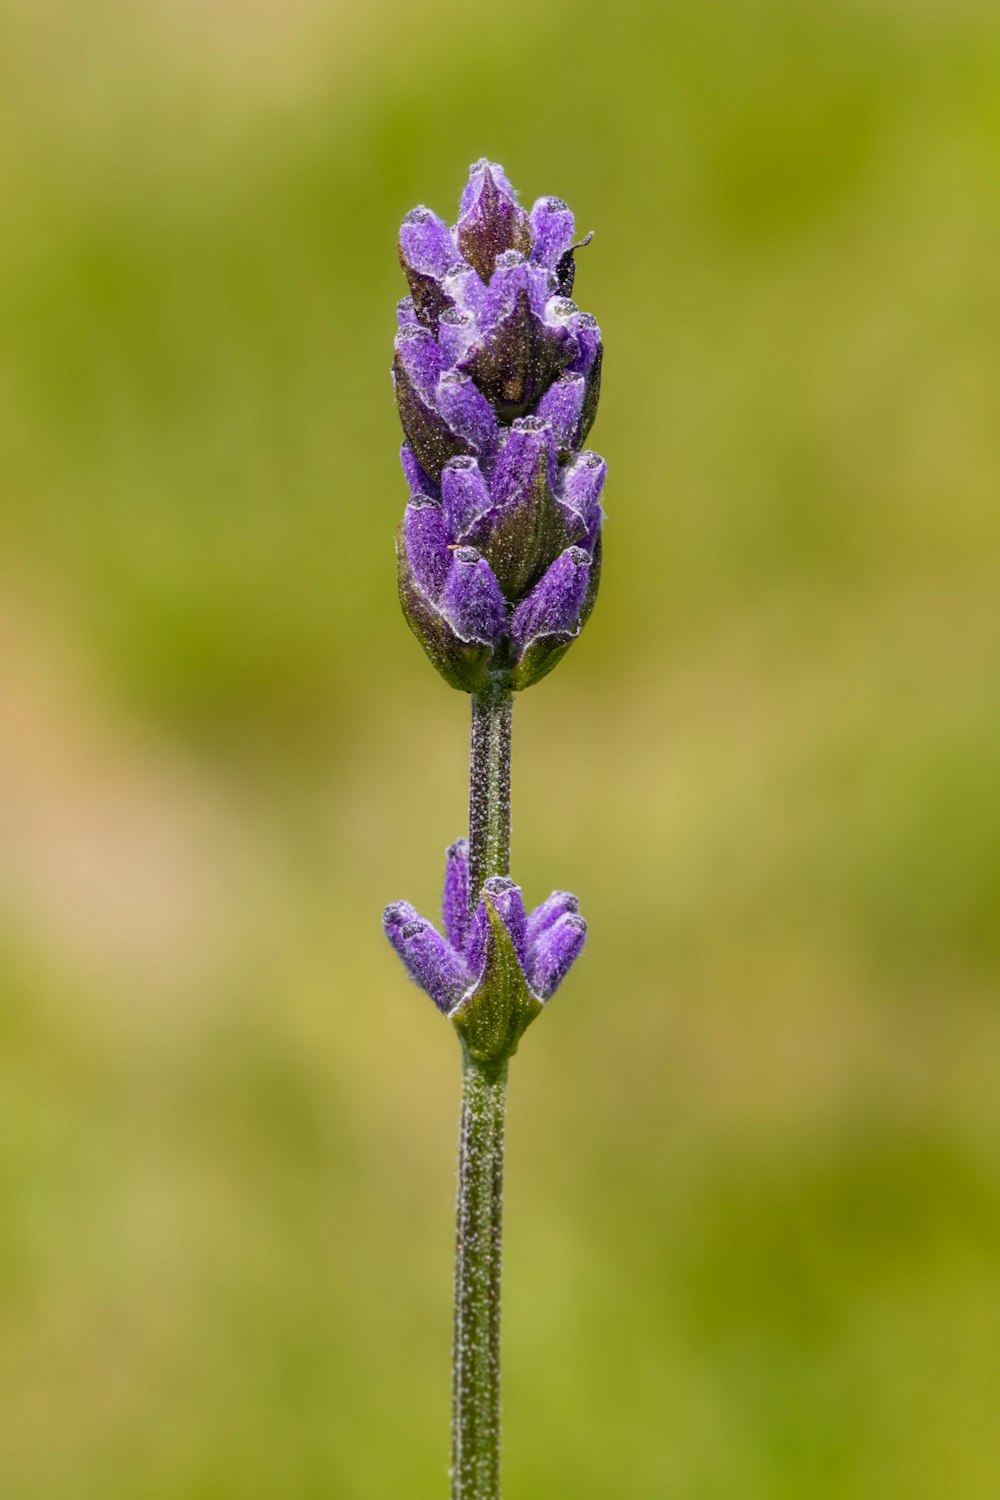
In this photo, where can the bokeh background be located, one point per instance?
(753, 1211)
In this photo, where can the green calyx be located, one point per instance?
(492, 1019)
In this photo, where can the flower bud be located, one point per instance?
(493, 970)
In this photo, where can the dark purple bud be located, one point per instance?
(545, 916)
(554, 604)
(551, 231)
(426, 250)
(561, 407)
(455, 900)
(554, 954)
(566, 269)
(467, 413)
(471, 600)
(491, 220)
(427, 539)
(431, 962)
(465, 495)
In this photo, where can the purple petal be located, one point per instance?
(455, 900)
(467, 412)
(427, 545)
(430, 961)
(581, 486)
(509, 906)
(552, 231)
(545, 916)
(507, 903)
(588, 338)
(561, 407)
(464, 288)
(588, 362)
(471, 600)
(527, 454)
(418, 355)
(554, 605)
(465, 495)
(456, 333)
(555, 953)
(425, 243)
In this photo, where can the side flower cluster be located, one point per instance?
(495, 966)
(497, 376)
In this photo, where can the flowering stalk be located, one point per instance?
(497, 376)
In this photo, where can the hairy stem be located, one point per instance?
(475, 1473)
(489, 787)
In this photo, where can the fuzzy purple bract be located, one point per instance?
(497, 376)
(495, 967)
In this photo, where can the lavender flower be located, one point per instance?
(492, 970)
(497, 376)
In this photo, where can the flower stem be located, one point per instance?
(475, 1473)
(489, 787)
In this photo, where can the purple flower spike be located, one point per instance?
(497, 376)
(430, 961)
(555, 953)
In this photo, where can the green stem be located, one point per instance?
(475, 1473)
(489, 787)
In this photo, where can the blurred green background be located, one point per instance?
(753, 1218)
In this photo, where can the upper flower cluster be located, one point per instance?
(497, 376)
